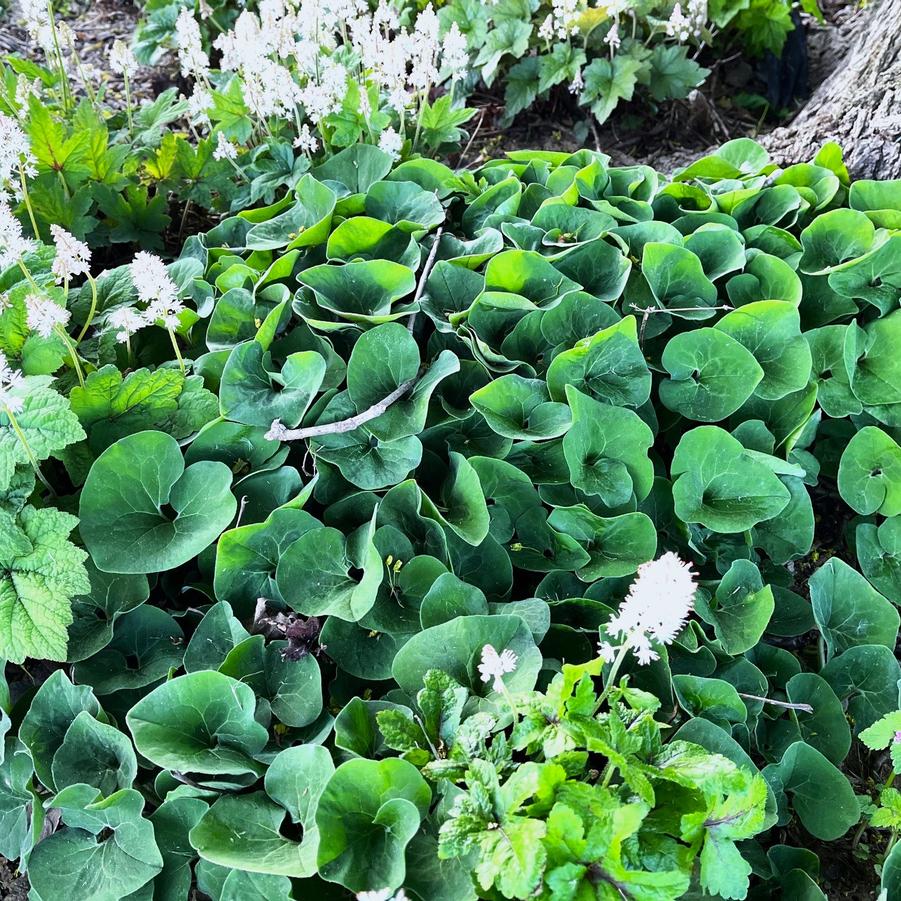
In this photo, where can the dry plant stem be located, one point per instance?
(804, 708)
(277, 432)
(471, 139)
(648, 311)
(430, 261)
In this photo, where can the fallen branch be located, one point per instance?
(277, 431)
(805, 708)
(429, 262)
(647, 311)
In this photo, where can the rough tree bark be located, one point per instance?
(859, 103)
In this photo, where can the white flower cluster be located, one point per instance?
(15, 155)
(562, 20)
(36, 17)
(13, 243)
(191, 56)
(156, 289)
(302, 55)
(655, 610)
(73, 257)
(225, 150)
(391, 142)
(690, 24)
(496, 666)
(45, 315)
(10, 380)
(122, 60)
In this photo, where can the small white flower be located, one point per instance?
(191, 55)
(305, 140)
(36, 14)
(612, 38)
(679, 25)
(13, 243)
(391, 143)
(44, 315)
(125, 322)
(151, 278)
(165, 311)
(656, 608)
(10, 380)
(577, 83)
(496, 665)
(607, 652)
(26, 89)
(455, 52)
(15, 151)
(199, 105)
(225, 150)
(382, 894)
(122, 60)
(72, 256)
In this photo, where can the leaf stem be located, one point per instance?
(73, 353)
(127, 82)
(32, 283)
(91, 311)
(14, 423)
(611, 676)
(178, 356)
(27, 200)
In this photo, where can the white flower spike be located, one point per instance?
(73, 257)
(655, 610)
(13, 243)
(10, 380)
(44, 315)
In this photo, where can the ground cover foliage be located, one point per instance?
(269, 507)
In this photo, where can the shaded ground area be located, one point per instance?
(732, 103)
(95, 25)
(12, 887)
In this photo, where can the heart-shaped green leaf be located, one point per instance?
(199, 723)
(139, 494)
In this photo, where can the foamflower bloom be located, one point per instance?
(383, 894)
(10, 380)
(44, 315)
(225, 150)
(122, 60)
(15, 151)
(496, 665)
(13, 243)
(655, 610)
(151, 278)
(73, 257)
(391, 142)
(125, 321)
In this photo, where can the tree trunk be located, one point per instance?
(859, 103)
